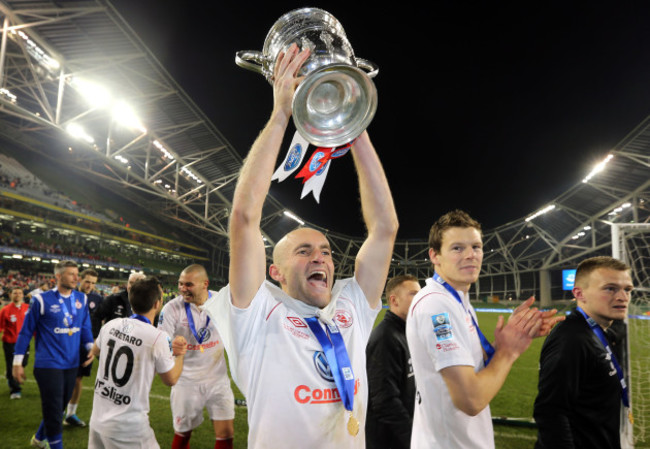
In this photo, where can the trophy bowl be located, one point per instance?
(337, 100)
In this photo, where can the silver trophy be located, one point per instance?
(337, 99)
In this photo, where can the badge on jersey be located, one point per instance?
(442, 327)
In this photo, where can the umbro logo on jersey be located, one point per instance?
(296, 321)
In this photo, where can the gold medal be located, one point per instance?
(70, 332)
(201, 348)
(353, 425)
(630, 416)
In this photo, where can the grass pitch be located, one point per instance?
(20, 418)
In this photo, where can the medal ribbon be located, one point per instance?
(598, 331)
(144, 319)
(67, 314)
(190, 322)
(487, 347)
(337, 358)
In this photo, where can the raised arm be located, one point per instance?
(373, 259)
(247, 256)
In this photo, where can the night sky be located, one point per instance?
(495, 108)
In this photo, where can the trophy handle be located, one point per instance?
(370, 66)
(250, 60)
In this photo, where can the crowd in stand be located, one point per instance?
(86, 251)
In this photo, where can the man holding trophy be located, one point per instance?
(297, 352)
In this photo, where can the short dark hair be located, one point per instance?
(10, 290)
(396, 281)
(196, 268)
(144, 293)
(61, 266)
(454, 219)
(587, 266)
(88, 272)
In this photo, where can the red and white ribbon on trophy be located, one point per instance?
(314, 172)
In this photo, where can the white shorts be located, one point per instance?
(188, 401)
(99, 441)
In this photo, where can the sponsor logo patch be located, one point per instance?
(55, 308)
(306, 395)
(446, 346)
(65, 330)
(204, 334)
(315, 162)
(322, 367)
(293, 158)
(442, 326)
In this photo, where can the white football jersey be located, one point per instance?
(280, 367)
(440, 333)
(199, 366)
(131, 353)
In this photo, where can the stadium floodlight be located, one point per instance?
(617, 210)
(125, 115)
(598, 168)
(75, 130)
(5, 93)
(122, 159)
(293, 217)
(37, 52)
(191, 175)
(94, 94)
(540, 212)
(163, 150)
(17, 256)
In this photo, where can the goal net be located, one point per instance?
(631, 244)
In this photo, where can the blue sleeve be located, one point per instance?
(29, 326)
(86, 326)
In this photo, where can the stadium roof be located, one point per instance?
(171, 160)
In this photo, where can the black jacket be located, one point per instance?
(391, 385)
(113, 306)
(579, 399)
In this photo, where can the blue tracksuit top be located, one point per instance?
(57, 343)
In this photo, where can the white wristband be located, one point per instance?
(18, 359)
